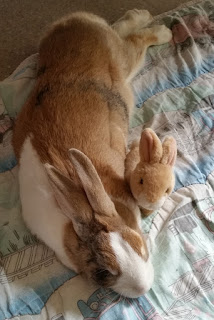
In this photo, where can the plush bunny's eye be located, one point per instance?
(141, 181)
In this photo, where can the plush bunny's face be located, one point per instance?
(153, 179)
(151, 184)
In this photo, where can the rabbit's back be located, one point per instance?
(80, 99)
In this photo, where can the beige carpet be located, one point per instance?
(21, 21)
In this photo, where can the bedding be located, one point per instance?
(174, 95)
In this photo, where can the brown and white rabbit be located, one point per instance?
(78, 202)
(149, 170)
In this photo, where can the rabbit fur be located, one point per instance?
(70, 139)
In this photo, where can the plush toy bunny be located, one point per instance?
(149, 170)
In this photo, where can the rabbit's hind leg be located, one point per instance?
(133, 21)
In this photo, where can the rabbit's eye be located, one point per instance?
(168, 190)
(141, 181)
(101, 275)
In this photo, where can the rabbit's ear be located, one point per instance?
(150, 147)
(91, 182)
(169, 151)
(71, 199)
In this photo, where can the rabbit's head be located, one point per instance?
(153, 179)
(97, 240)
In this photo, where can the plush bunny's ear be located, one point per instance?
(169, 151)
(150, 147)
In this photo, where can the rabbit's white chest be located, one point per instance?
(39, 209)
